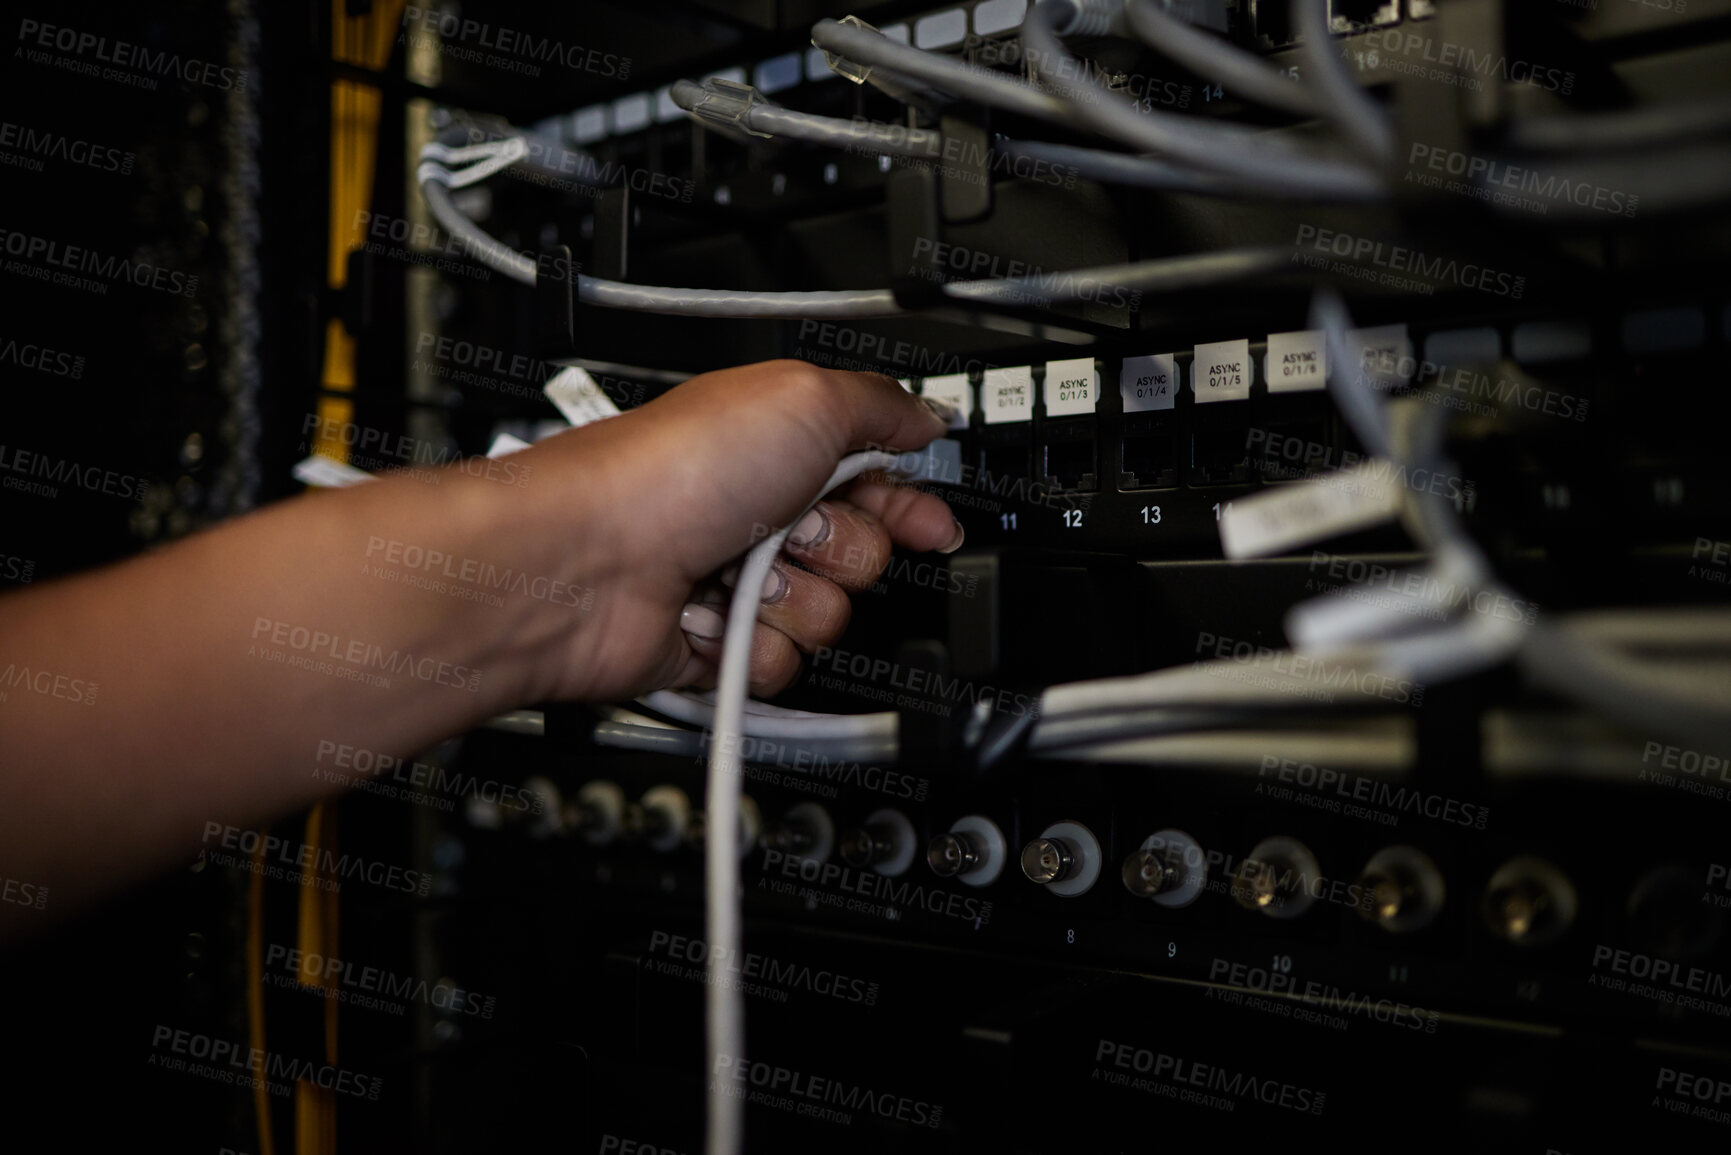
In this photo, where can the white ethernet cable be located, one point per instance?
(725, 1003)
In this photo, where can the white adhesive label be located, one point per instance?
(1296, 361)
(1072, 387)
(578, 397)
(328, 473)
(1149, 383)
(504, 443)
(1279, 519)
(1385, 350)
(1008, 395)
(953, 388)
(1222, 372)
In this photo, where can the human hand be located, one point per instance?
(652, 508)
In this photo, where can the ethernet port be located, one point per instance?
(1219, 454)
(1292, 450)
(1004, 464)
(1071, 456)
(1272, 20)
(1357, 15)
(1150, 457)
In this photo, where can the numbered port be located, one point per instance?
(1150, 454)
(1529, 902)
(883, 843)
(660, 819)
(1065, 859)
(972, 852)
(1169, 868)
(1071, 455)
(748, 828)
(1404, 890)
(597, 814)
(804, 832)
(1358, 15)
(1273, 22)
(1219, 453)
(1279, 879)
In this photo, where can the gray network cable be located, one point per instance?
(1233, 150)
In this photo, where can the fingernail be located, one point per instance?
(730, 576)
(701, 622)
(812, 529)
(956, 541)
(941, 409)
(774, 587)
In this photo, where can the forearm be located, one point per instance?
(197, 684)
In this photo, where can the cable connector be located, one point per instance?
(939, 463)
(841, 65)
(728, 104)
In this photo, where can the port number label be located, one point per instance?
(1221, 372)
(1150, 515)
(1149, 383)
(1072, 519)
